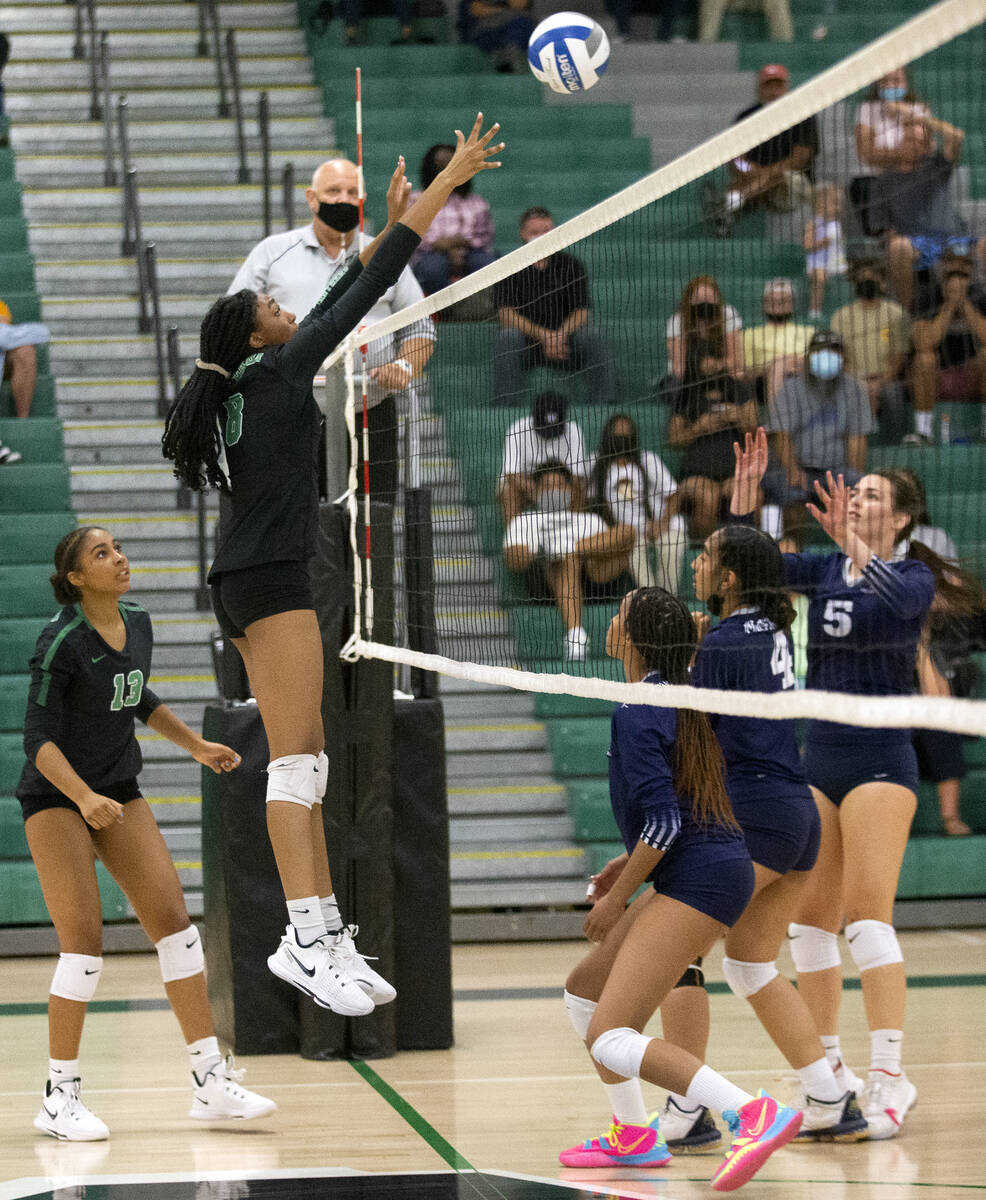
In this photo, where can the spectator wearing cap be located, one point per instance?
(547, 435)
(775, 349)
(778, 172)
(876, 334)
(949, 346)
(818, 420)
(777, 12)
(19, 365)
(545, 318)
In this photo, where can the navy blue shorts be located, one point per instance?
(712, 877)
(835, 768)
(782, 832)
(122, 792)
(241, 597)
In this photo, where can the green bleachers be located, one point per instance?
(13, 700)
(22, 903)
(17, 638)
(42, 487)
(32, 536)
(24, 590)
(39, 439)
(44, 396)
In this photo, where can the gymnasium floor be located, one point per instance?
(484, 1120)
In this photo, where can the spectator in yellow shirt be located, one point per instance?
(776, 349)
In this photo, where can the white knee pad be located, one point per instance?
(621, 1050)
(747, 978)
(813, 949)
(76, 977)
(321, 776)
(873, 944)
(579, 1013)
(292, 779)
(180, 955)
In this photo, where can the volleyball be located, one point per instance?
(568, 51)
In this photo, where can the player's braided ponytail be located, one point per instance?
(662, 631)
(756, 559)
(192, 437)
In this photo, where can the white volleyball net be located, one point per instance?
(574, 426)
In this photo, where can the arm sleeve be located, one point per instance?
(802, 572)
(342, 307)
(906, 587)
(46, 697)
(149, 701)
(651, 782)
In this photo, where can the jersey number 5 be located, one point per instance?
(127, 690)
(780, 661)
(234, 419)
(838, 618)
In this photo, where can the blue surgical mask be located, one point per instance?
(825, 364)
(893, 93)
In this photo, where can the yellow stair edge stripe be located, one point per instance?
(479, 855)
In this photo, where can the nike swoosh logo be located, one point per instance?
(51, 1115)
(309, 971)
(97, 657)
(95, 971)
(757, 1130)
(892, 1040)
(302, 910)
(188, 945)
(881, 774)
(628, 1147)
(850, 940)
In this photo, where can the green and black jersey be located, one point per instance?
(84, 696)
(271, 423)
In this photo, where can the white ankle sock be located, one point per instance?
(331, 913)
(203, 1056)
(885, 1045)
(819, 1082)
(711, 1090)
(62, 1070)
(626, 1100)
(306, 916)
(922, 423)
(684, 1103)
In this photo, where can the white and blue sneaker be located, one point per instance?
(342, 946)
(63, 1115)
(317, 971)
(219, 1096)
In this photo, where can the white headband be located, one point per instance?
(204, 366)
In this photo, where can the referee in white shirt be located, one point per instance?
(295, 268)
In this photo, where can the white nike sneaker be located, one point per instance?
(64, 1116)
(219, 1096)
(342, 946)
(832, 1120)
(886, 1101)
(315, 971)
(846, 1078)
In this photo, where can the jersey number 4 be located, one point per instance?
(781, 662)
(127, 690)
(837, 621)
(234, 419)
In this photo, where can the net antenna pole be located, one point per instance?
(365, 377)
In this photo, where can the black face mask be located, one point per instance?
(867, 289)
(339, 215)
(619, 445)
(778, 318)
(704, 311)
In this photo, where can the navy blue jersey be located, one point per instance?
(862, 635)
(271, 423)
(84, 696)
(747, 652)
(641, 782)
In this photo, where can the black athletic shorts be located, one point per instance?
(241, 597)
(122, 792)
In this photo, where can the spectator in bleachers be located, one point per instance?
(566, 552)
(544, 313)
(668, 14)
(824, 244)
(875, 333)
(949, 339)
(632, 487)
(460, 239)
(500, 28)
(915, 202)
(547, 435)
(705, 331)
(4, 55)
(777, 12)
(709, 413)
(19, 366)
(403, 10)
(819, 420)
(775, 349)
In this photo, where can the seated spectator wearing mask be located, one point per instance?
(876, 334)
(818, 421)
(705, 328)
(547, 435)
(566, 552)
(775, 349)
(632, 487)
(19, 365)
(949, 346)
(460, 239)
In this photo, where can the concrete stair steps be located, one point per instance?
(60, 243)
(470, 766)
(150, 137)
(78, 278)
(133, 47)
(185, 658)
(475, 736)
(161, 205)
(24, 19)
(155, 73)
(503, 830)
(464, 706)
(202, 167)
(191, 103)
(530, 796)
(517, 892)
(185, 686)
(73, 317)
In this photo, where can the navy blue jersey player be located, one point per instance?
(866, 610)
(246, 422)
(669, 801)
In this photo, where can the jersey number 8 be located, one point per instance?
(234, 419)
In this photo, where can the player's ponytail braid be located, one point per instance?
(191, 429)
(662, 631)
(757, 562)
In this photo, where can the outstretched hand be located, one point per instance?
(751, 465)
(398, 194)
(471, 153)
(833, 515)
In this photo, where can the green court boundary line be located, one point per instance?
(37, 1008)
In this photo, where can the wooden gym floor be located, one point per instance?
(482, 1121)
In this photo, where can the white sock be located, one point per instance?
(819, 1081)
(832, 1048)
(62, 1070)
(684, 1103)
(626, 1101)
(885, 1050)
(711, 1090)
(203, 1056)
(306, 916)
(331, 913)
(922, 423)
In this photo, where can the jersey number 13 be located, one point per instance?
(127, 690)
